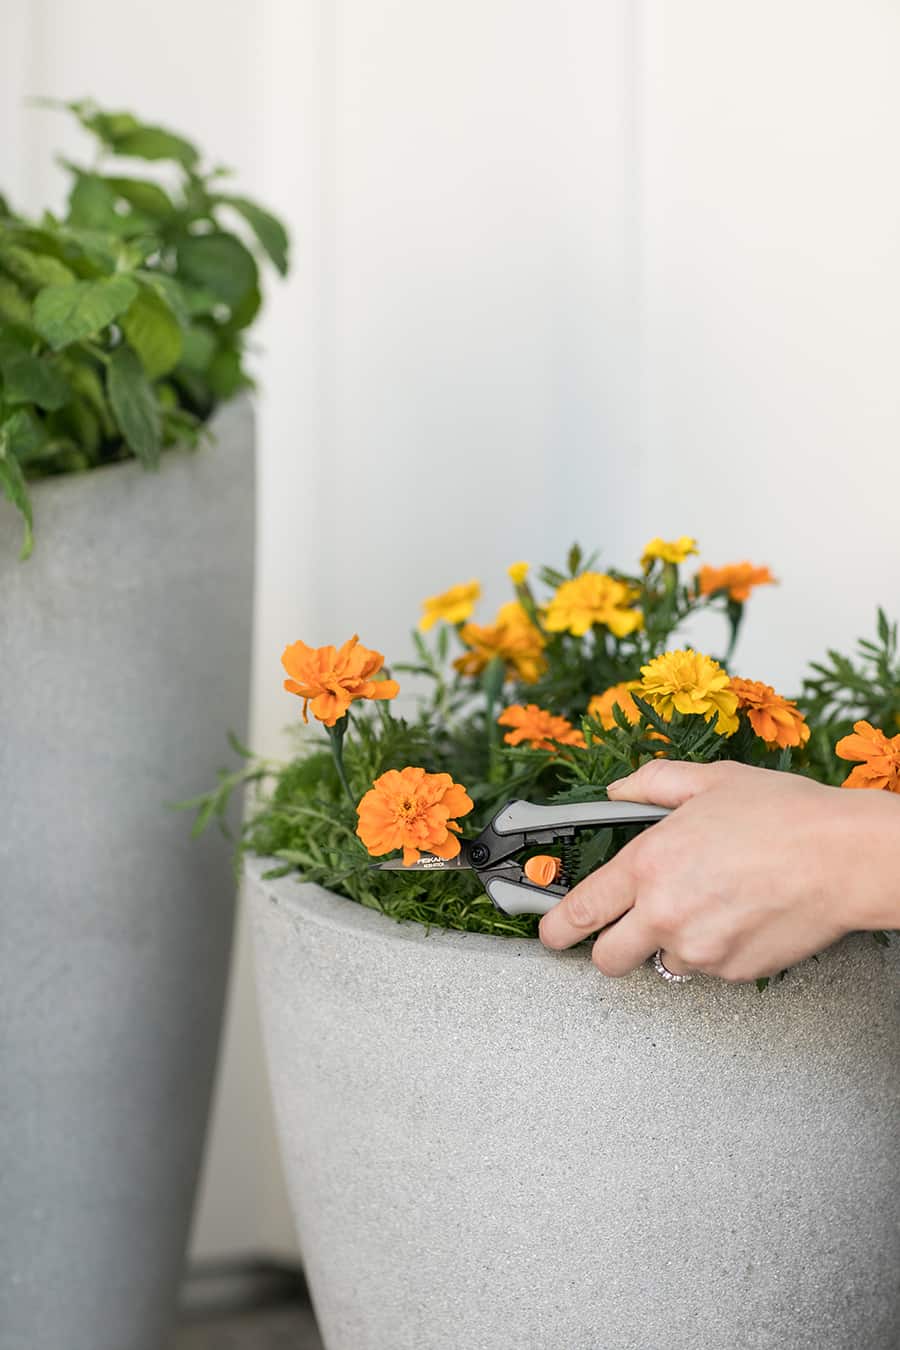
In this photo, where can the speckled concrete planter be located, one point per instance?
(124, 659)
(490, 1147)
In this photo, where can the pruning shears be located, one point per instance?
(535, 886)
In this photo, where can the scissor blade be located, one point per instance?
(428, 863)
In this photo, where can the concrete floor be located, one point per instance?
(288, 1327)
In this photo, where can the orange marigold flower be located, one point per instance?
(776, 720)
(331, 678)
(541, 729)
(880, 755)
(593, 598)
(738, 579)
(453, 606)
(601, 705)
(413, 810)
(512, 637)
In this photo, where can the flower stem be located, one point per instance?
(492, 685)
(735, 611)
(336, 737)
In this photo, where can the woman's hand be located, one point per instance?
(754, 871)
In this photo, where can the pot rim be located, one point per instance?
(308, 899)
(305, 900)
(58, 483)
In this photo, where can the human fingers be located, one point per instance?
(599, 900)
(625, 945)
(668, 782)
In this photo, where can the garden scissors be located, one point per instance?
(520, 825)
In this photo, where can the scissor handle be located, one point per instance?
(521, 817)
(512, 897)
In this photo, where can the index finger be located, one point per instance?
(599, 900)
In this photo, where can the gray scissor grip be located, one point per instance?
(520, 816)
(514, 899)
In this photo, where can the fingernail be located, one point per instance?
(618, 782)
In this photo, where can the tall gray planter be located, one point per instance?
(125, 656)
(491, 1147)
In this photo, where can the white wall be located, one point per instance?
(561, 269)
(771, 222)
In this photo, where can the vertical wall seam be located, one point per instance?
(327, 478)
(635, 226)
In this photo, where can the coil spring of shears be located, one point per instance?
(571, 861)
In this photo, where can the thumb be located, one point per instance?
(667, 782)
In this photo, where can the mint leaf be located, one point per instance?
(92, 203)
(134, 405)
(64, 314)
(33, 379)
(123, 134)
(269, 231)
(33, 270)
(219, 263)
(147, 197)
(14, 308)
(156, 143)
(199, 348)
(154, 332)
(225, 374)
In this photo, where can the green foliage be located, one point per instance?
(304, 812)
(123, 323)
(307, 819)
(578, 668)
(841, 690)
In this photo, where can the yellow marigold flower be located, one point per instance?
(411, 809)
(541, 729)
(517, 573)
(738, 579)
(776, 720)
(331, 678)
(512, 637)
(668, 550)
(453, 606)
(880, 756)
(601, 705)
(689, 682)
(593, 598)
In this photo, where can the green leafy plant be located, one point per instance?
(562, 694)
(123, 322)
(842, 690)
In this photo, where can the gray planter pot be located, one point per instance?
(125, 657)
(490, 1146)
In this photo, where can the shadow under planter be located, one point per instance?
(490, 1145)
(125, 656)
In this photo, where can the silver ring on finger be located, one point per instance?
(666, 973)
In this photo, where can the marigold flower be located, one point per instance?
(453, 606)
(776, 720)
(880, 755)
(601, 705)
(738, 579)
(331, 678)
(593, 598)
(541, 729)
(689, 682)
(668, 550)
(413, 810)
(517, 573)
(512, 637)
